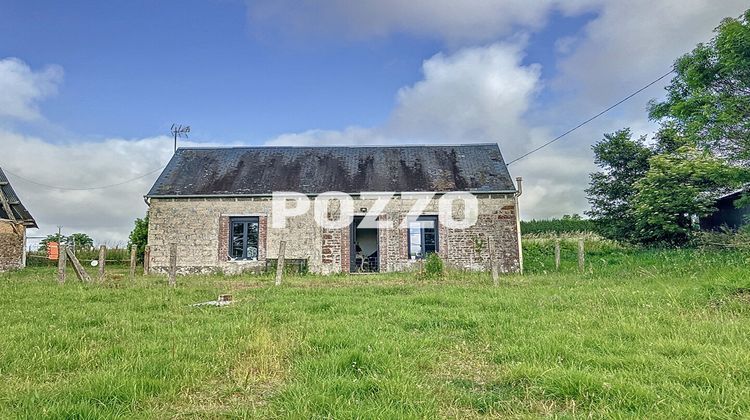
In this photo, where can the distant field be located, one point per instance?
(662, 334)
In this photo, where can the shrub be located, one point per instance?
(433, 266)
(565, 224)
(723, 239)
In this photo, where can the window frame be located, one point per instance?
(422, 218)
(246, 221)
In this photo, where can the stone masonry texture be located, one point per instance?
(200, 228)
(11, 245)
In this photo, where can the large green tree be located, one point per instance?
(709, 98)
(80, 241)
(624, 161)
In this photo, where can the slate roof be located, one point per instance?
(258, 171)
(17, 208)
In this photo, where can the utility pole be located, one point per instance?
(179, 130)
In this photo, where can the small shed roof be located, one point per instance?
(259, 171)
(17, 209)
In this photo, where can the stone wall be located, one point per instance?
(199, 227)
(11, 245)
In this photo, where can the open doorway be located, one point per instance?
(365, 250)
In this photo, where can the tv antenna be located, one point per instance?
(179, 130)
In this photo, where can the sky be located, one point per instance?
(89, 89)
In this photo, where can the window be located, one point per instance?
(243, 238)
(423, 236)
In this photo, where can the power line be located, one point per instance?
(593, 118)
(52, 187)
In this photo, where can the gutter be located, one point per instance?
(519, 183)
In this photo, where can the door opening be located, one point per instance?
(365, 249)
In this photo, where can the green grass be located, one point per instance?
(639, 334)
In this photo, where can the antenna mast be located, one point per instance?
(179, 130)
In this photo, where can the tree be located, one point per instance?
(624, 161)
(678, 187)
(709, 98)
(139, 237)
(51, 238)
(80, 241)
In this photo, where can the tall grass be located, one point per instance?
(539, 251)
(644, 334)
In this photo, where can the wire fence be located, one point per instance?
(115, 256)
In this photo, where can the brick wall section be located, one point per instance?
(200, 228)
(262, 236)
(345, 249)
(11, 246)
(383, 240)
(223, 238)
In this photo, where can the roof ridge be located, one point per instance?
(366, 146)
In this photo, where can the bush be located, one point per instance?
(565, 224)
(433, 266)
(724, 239)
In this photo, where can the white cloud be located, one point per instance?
(21, 88)
(474, 95)
(107, 215)
(466, 20)
(632, 42)
(478, 94)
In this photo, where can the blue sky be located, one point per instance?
(132, 68)
(89, 89)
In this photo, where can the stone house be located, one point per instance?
(216, 206)
(14, 220)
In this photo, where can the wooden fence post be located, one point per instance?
(147, 261)
(173, 265)
(133, 250)
(77, 267)
(280, 262)
(581, 262)
(493, 262)
(61, 263)
(102, 261)
(557, 254)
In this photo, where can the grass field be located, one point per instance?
(640, 334)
